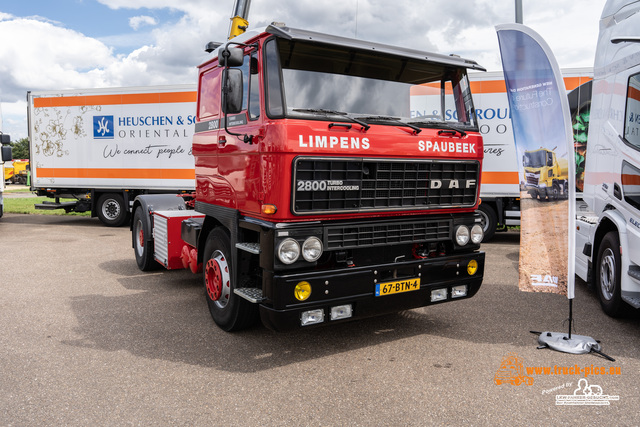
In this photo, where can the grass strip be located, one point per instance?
(25, 205)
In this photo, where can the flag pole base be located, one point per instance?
(567, 343)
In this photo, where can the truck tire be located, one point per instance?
(555, 192)
(489, 221)
(228, 310)
(608, 275)
(143, 241)
(111, 210)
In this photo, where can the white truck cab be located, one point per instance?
(5, 156)
(608, 223)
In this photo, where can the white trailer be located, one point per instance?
(500, 184)
(103, 147)
(608, 230)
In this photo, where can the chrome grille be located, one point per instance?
(355, 185)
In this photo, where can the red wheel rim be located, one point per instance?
(217, 279)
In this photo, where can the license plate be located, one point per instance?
(397, 287)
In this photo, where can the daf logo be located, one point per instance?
(451, 183)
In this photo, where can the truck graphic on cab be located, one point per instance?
(546, 176)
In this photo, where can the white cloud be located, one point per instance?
(44, 55)
(136, 22)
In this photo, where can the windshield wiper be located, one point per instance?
(444, 126)
(395, 120)
(322, 111)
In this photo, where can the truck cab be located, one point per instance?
(5, 157)
(608, 229)
(330, 183)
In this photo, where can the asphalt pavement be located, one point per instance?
(88, 339)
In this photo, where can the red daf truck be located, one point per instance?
(321, 196)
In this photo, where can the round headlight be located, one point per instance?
(477, 234)
(462, 235)
(288, 251)
(312, 249)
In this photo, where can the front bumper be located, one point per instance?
(357, 286)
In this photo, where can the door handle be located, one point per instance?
(222, 141)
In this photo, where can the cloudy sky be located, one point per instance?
(70, 44)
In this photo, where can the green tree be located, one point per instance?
(20, 148)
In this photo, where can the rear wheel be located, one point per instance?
(143, 241)
(111, 210)
(228, 310)
(608, 275)
(489, 221)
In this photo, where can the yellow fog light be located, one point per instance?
(472, 267)
(302, 291)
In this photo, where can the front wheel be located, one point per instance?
(228, 310)
(111, 210)
(608, 275)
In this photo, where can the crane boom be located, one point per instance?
(239, 21)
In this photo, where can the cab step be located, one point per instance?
(253, 295)
(253, 248)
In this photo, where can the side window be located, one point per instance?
(631, 184)
(245, 67)
(209, 99)
(251, 86)
(254, 88)
(632, 116)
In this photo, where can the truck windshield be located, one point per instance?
(535, 159)
(305, 79)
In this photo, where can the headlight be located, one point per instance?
(477, 234)
(462, 235)
(312, 249)
(288, 251)
(312, 317)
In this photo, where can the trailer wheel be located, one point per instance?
(489, 221)
(142, 246)
(111, 210)
(228, 310)
(608, 275)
